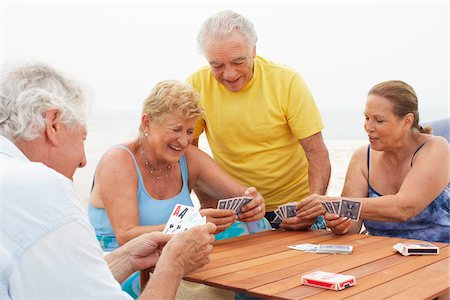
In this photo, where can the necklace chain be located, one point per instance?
(151, 168)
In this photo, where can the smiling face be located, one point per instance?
(231, 60)
(169, 138)
(383, 127)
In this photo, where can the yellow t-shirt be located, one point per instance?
(254, 133)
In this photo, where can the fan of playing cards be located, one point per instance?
(345, 208)
(284, 211)
(183, 217)
(235, 204)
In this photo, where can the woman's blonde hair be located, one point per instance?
(403, 98)
(171, 96)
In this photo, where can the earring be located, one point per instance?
(146, 133)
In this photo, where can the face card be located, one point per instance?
(350, 209)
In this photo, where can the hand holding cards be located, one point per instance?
(344, 208)
(284, 211)
(183, 218)
(235, 204)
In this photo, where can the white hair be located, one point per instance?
(223, 24)
(28, 91)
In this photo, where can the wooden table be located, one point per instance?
(262, 266)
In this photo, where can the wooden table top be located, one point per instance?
(262, 266)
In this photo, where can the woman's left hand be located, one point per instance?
(255, 209)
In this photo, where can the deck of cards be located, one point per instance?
(331, 281)
(327, 249)
(416, 249)
(183, 218)
(235, 204)
(345, 208)
(284, 211)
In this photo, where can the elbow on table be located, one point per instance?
(405, 213)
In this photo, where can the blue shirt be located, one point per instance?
(151, 211)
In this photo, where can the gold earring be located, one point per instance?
(146, 133)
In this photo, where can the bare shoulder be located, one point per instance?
(116, 161)
(194, 154)
(436, 142)
(360, 154)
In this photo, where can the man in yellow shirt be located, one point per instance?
(260, 119)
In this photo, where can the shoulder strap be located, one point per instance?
(415, 152)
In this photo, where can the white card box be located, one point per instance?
(416, 249)
(335, 249)
(331, 281)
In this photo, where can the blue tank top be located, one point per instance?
(431, 224)
(151, 211)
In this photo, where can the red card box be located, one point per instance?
(331, 281)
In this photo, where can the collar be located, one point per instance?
(8, 148)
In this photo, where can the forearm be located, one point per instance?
(136, 231)
(319, 170)
(164, 281)
(119, 263)
(206, 201)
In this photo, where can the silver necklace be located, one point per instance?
(153, 170)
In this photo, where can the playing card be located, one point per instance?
(303, 247)
(336, 206)
(243, 201)
(329, 207)
(291, 210)
(222, 204)
(350, 209)
(179, 212)
(277, 219)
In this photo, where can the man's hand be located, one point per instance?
(188, 250)
(255, 209)
(307, 212)
(146, 249)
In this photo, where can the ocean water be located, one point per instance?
(343, 134)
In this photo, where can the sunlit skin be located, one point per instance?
(168, 139)
(385, 130)
(72, 146)
(231, 60)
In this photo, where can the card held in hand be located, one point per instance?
(350, 209)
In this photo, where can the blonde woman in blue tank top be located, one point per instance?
(402, 177)
(138, 183)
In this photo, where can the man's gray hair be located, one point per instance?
(28, 91)
(223, 24)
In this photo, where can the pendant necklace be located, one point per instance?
(153, 170)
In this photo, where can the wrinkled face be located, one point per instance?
(169, 139)
(231, 61)
(383, 127)
(72, 155)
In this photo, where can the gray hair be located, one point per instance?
(224, 23)
(30, 90)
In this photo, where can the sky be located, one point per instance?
(122, 49)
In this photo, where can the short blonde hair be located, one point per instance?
(172, 96)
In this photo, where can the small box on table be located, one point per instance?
(328, 280)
